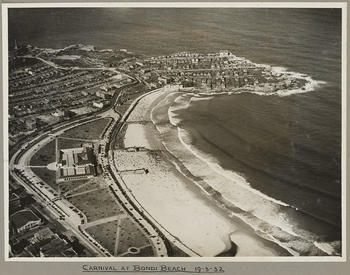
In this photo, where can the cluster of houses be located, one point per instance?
(41, 95)
(31, 235)
(214, 70)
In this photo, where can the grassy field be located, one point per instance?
(68, 143)
(130, 236)
(67, 186)
(97, 204)
(48, 176)
(89, 185)
(90, 130)
(144, 252)
(105, 234)
(44, 155)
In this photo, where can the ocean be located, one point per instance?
(285, 148)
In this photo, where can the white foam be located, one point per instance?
(264, 215)
(183, 102)
(255, 222)
(310, 85)
(247, 217)
(281, 72)
(230, 175)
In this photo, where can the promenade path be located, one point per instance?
(104, 220)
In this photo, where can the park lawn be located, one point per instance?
(91, 130)
(44, 155)
(144, 252)
(130, 236)
(48, 176)
(68, 143)
(97, 204)
(68, 186)
(88, 186)
(105, 234)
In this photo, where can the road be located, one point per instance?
(122, 190)
(44, 193)
(54, 65)
(67, 214)
(121, 194)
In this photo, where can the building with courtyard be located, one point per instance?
(76, 164)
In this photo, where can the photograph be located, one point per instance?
(202, 131)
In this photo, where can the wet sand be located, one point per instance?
(174, 200)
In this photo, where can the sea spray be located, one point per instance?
(160, 124)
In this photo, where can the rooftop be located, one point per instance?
(76, 162)
(21, 218)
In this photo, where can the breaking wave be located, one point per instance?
(267, 216)
(310, 85)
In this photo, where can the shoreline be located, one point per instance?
(234, 226)
(266, 217)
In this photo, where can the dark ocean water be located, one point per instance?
(287, 147)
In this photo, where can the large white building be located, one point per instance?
(76, 163)
(24, 220)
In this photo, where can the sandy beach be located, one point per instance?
(140, 131)
(264, 214)
(173, 199)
